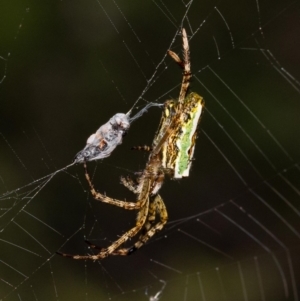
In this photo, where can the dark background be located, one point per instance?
(233, 230)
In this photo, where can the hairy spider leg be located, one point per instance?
(156, 206)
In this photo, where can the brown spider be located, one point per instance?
(171, 153)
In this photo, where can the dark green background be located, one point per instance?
(67, 63)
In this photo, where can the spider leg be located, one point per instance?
(130, 184)
(93, 246)
(81, 257)
(148, 224)
(140, 221)
(145, 148)
(150, 219)
(157, 206)
(84, 256)
(105, 199)
(160, 208)
(185, 65)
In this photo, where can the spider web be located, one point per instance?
(234, 224)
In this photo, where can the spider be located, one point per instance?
(171, 153)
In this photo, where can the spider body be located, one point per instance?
(171, 153)
(178, 149)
